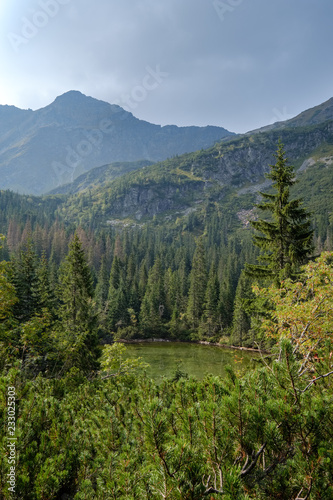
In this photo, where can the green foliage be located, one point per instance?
(242, 317)
(267, 434)
(7, 291)
(103, 430)
(25, 280)
(115, 363)
(77, 329)
(153, 308)
(262, 436)
(198, 284)
(302, 310)
(286, 239)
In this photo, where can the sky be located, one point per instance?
(239, 64)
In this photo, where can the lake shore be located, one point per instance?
(201, 342)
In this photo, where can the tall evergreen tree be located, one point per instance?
(78, 326)
(7, 291)
(45, 289)
(198, 282)
(286, 238)
(241, 319)
(25, 280)
(101, 294)
(102, 287)
(153, 307)
(117, 306)
(8, 340)
(117, 303)
(210, 323)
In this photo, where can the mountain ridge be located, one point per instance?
(312, 116)
(321, 113)
(233, 170)
(42, 149)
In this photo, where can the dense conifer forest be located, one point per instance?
(88, 423)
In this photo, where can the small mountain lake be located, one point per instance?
(195, 359)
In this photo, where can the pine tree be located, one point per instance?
(198, 282)
(153, 308)
(117, 296)
(25, 280)
(8, 335)
(45, 290)
(102, 287)
(101, 296)
(116, 272)
(78, 328)
(226, 303)
(7, 291)
(117, 306)
(210, 323)
(183, 277)
(13, 235)
(241, 319)
(285, 239)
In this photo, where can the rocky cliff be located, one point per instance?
(186, 183)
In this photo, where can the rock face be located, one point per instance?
(247, 159)
(182, 184)
(151, 200)
(43, 149)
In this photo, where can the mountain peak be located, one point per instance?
(75, 133)
(76, 106)
(75, 98)
(71, 95)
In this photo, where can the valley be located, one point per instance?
(160, 248)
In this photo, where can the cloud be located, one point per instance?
(231, 72)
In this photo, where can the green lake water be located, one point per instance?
(195, 359)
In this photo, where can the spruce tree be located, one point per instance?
(102, 287)
(117, 306)
(101, 295)
(25, 280)
(210, 318)
(241, 318)
(153, 308)
(7, 292)
(44, 286)
(78, 327)
(117, 303)
(286, 238)
(198, 282)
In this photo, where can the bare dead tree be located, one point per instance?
(214, 488)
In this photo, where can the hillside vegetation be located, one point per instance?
(220, 245)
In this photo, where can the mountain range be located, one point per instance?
(43, 149)
(229, 174)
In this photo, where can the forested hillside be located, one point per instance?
(87, 426)
(213, 246)
(167, 243)
(230, 174)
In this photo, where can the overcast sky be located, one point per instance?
(240, 64)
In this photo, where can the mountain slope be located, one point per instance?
(230, 174)
(313, 116)
(100, 176)
(43, 149)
